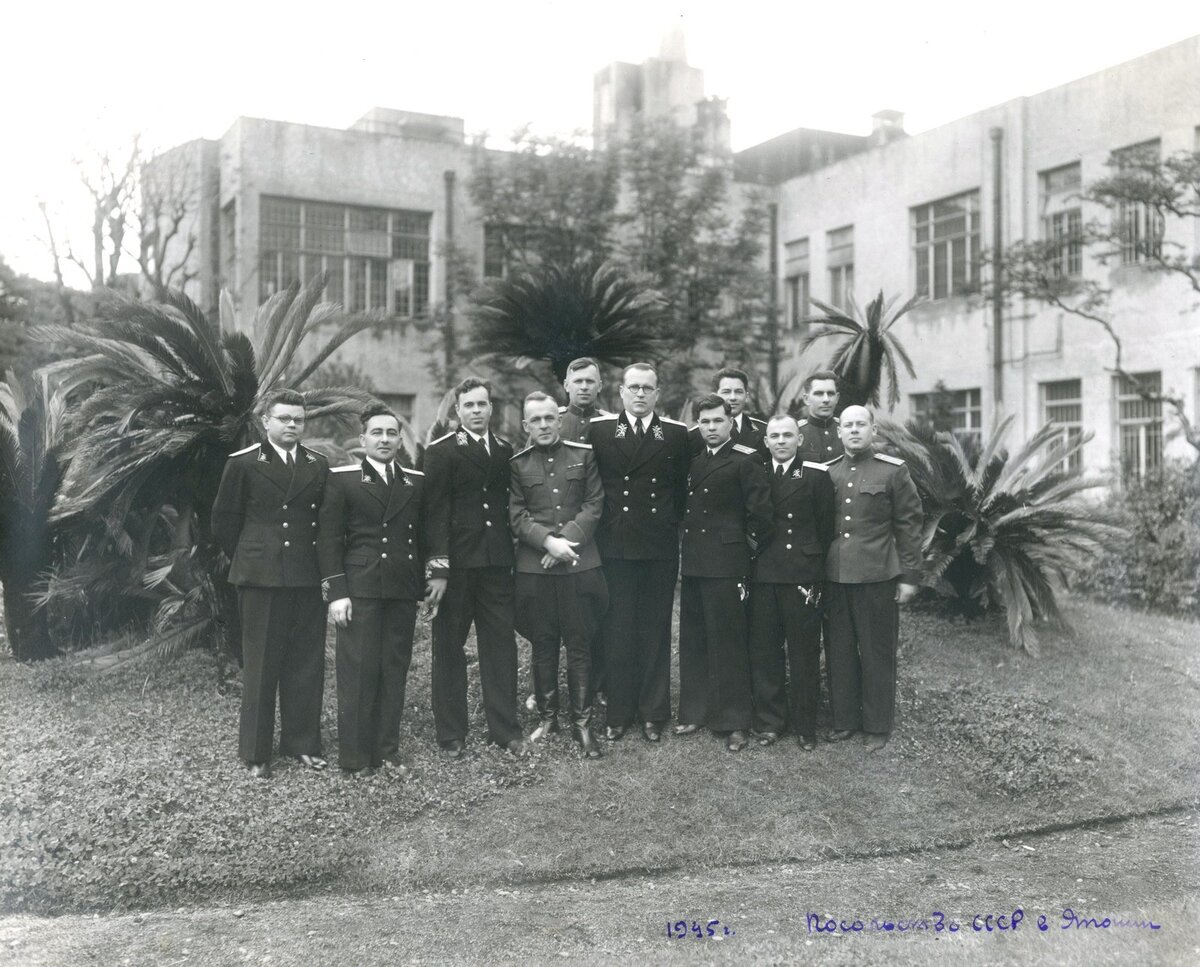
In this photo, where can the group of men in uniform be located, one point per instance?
(577, 542)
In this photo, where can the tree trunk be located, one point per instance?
(27, 627)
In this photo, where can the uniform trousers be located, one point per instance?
(283, 650)
(566, 608)
(373, 655)
(714, 657)
(779, 613)
(864, 621)
(637, 639)
(483, 596)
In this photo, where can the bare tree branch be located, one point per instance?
(64, 297)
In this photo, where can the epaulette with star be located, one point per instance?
(520, 453)
(253, 446)
(606, 416)
(667, 419)
(579, 446)
(888, 458)
(815, 466)
(741, 448)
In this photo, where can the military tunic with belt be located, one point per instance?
(728, 516)
(467, 487)
(265, 519)
(819, 440)
(370, 546)
(645, 489)
(877, 541)
(556, 491)
(784, 598)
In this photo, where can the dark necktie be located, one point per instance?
(779, 470)
(639, 431)
(291, 462)
(391, 474)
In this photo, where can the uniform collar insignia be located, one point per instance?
(462, 438)
(622, 428)
(403, 477)
(656, 429)
(797, 473)
(309, 457)
(262, 457)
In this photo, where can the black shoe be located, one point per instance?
(737, 741)
(652, 731)
(807, 743)
(686, 729)
(453, 748)
(875, 741)
(614, 732)
(516, 747)
(841, 735)
(587, 742)
(767, 738)
(259, 770)
(312, 762)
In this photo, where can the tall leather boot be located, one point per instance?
(545, 691)
(581, 712)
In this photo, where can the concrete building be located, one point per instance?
(912, 215)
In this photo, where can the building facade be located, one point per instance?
(913, 215)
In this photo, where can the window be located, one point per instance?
(957, 411)
(500, 242)
(1139, 226)
(839, 257)
(1062, 405)
(1139, 423)
(796, 287)
(402, 404)
(374, 259)
(945, 238)
(1062, 219)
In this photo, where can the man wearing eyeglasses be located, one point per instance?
(265, 519)
(643, 466)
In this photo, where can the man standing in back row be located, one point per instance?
(873, 566)
(819, 440)
(643, 467)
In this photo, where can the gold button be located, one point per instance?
(549, 459)
(789, 516)
(384, 555)
(847, 500)
(789, 547)
(314, 506)
(626, 493)
(287, 543)
(485, 507)
(850, 484)
(488, 523)
(625, 508)
(654, 510)
(385, 540)
(847, 517)
(845, 535)
(285, 506)
(285, 523)
(558, 506)
(410, 557)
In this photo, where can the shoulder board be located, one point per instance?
(803, 422)
(757, 422)
(346, 469)
(581, 446)
(254, 446)
(520, 453)
(441, 438)
(815, 466)
(744, 449)
(415, 473)
(606, 416)
(562, 409)
(896, 461)
(501, 441)
(600, 414)
(667, 419)
(830, 463)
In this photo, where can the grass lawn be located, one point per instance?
(122, 791)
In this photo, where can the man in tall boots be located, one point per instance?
(643, 468)
(873, 566)
(784, 598)
(370, 547)
(555, 508)
(467, 485)
(265, 519)
(728, 516)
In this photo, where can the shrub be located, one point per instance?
(1157, 564)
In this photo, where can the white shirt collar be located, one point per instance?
(381, 468)
(737, 421)
(644, 420)
(477, 437)
(786, 466)
(283, 454)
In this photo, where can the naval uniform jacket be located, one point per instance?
(878, 521)
(728, 512)
(803, 529)
(555, 491)
(369, 539)
(265, 517)
(645, 487)
(467, 503)
(752, 434)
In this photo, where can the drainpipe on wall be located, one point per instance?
(449, 336)
(773, 299)
(997, 135)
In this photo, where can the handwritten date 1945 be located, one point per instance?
(712, 929)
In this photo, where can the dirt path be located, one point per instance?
(1142, 870)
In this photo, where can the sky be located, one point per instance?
(79, 79)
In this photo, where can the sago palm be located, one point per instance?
(559, 313)
(1002, 529)
(172, 393)
(869, 350)
(32, 417)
